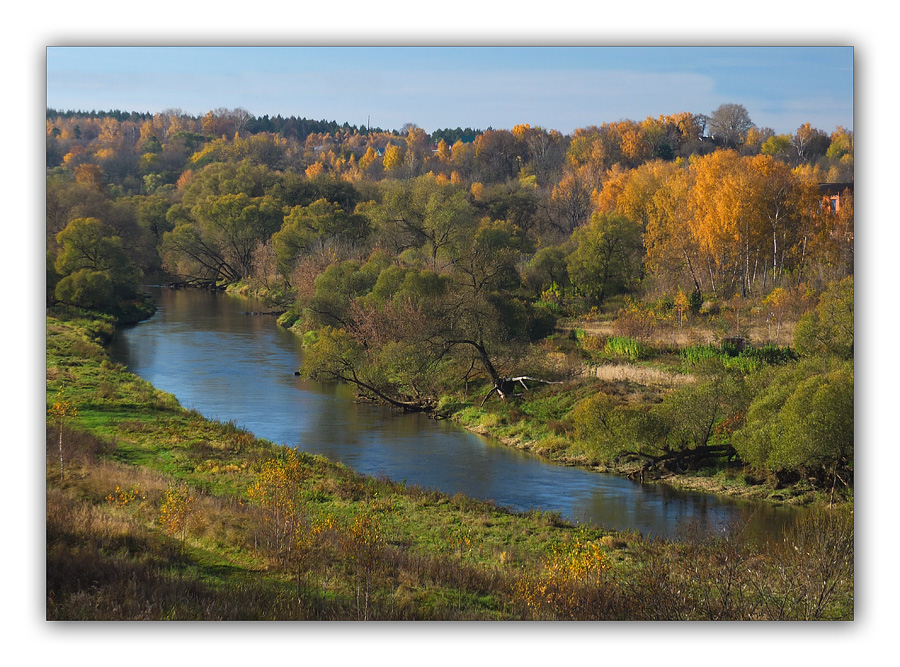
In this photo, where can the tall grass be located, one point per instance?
(627, 347)
(747, 360)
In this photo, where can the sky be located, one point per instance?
(561, 88)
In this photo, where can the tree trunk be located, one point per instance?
(62, 474)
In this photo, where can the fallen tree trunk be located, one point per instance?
(678, 461)
(506, 386)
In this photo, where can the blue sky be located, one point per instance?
(560, 88)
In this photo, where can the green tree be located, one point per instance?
(607, 258)
(691, 424)
(94, 271)
(701, 415)
(217, 238)
(339, 285)
(829, 328)
(423, 213)
(816, 424)
(778, 145)
(547, 267)
(801, 420)
(323, 223)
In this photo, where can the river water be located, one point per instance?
(233, 366)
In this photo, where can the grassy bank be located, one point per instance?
(154, 512)
(541, 419)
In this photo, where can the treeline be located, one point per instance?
(416, 268)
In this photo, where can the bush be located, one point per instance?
(829, 328)
(802, 421)
(86, 288)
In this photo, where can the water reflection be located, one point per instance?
(231, 366)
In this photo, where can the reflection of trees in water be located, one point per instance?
(661, 511)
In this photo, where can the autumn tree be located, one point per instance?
(595, 150)
(497, 156)
(840, 156)
(61, 411)
(632, 192)
(463, 159)
(778, 201)
(544, 152)
(673, 257)
(225, 122)
(725, 228)
(393, 160)
(809, 143)
(277, 490)
(176, 512)
(418, 151)
(569, 204)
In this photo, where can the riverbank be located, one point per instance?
(539, 419)
(157, 513)
(731, 482)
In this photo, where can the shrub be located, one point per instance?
(87, 288)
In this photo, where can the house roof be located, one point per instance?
(835, 188)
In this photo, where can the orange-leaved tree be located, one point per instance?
(175, 512)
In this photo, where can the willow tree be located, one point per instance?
(423, 214)
(215, 239)
(322, 223)
(692, 424)
(92, 267)
(411, 333)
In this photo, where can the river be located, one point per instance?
(233, 366)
